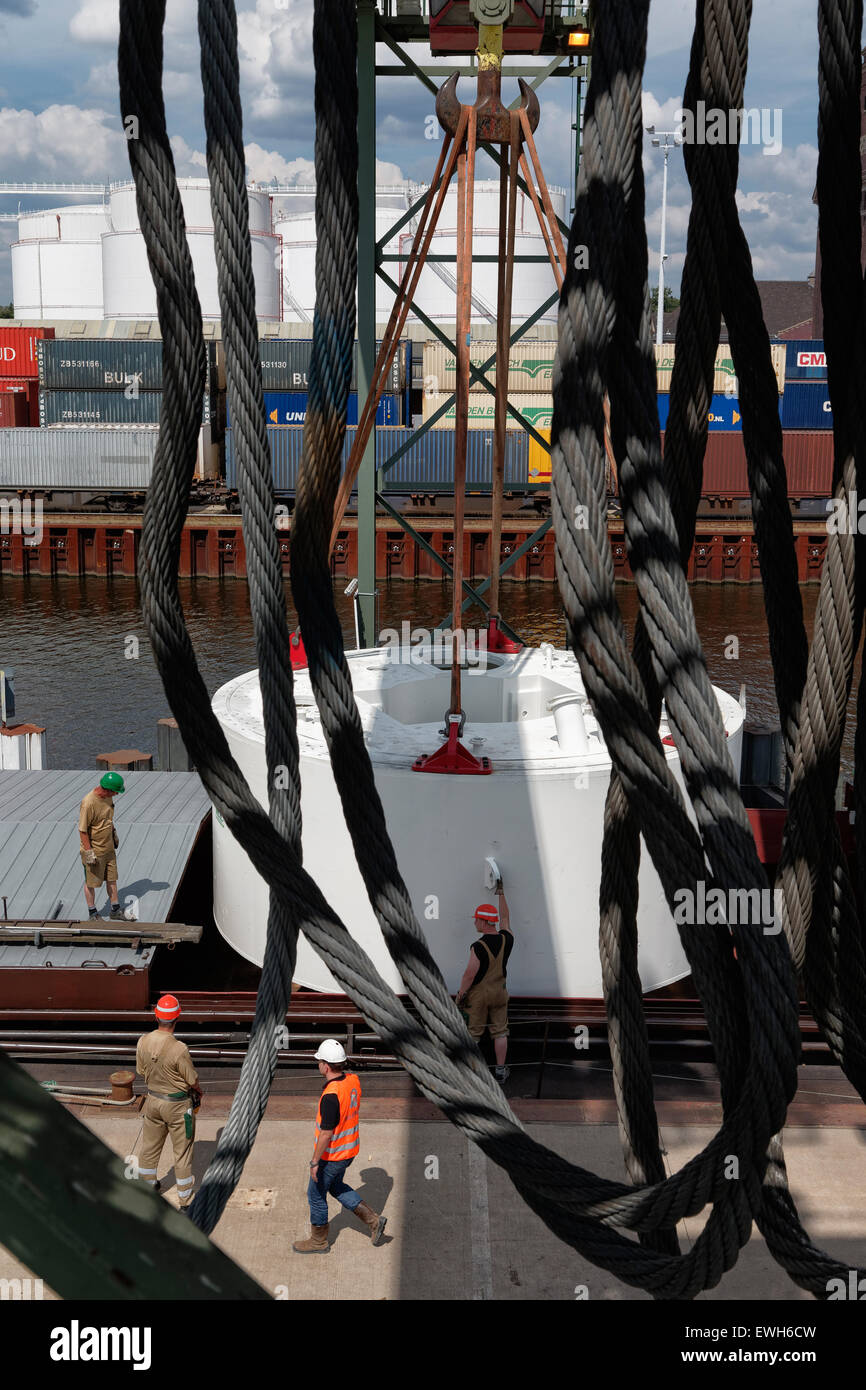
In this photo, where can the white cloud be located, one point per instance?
(188, 162)
(96, 21)
(68, 142)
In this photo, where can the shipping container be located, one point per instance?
(538, 410)
(95, 461)
(290, 408)
(14, 411)
(806, 406)
(286, 365)
(427, 465)
(58, 408)
(18, 350)
(100, 364)
(28, 389)
(724, 412)
(806, 360)
(530, 366)
(724, 376)
(808, 456)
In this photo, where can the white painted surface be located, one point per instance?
(540, 814)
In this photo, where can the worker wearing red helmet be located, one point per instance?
(173, 1096)
(483, 991)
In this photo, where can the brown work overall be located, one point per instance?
(487, 1002)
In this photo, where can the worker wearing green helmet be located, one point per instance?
(99, 842)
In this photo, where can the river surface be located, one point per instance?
(68, 642)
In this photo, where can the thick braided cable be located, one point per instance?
(226, 169)
(576, 1204)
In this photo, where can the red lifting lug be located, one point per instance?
(297, 651)
(452, 756)
(496, 639)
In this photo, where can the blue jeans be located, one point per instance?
(330, 1179)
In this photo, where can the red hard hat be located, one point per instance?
(486, 913)
(167, 1008)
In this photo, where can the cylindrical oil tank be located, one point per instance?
(129, 291)
(83, 222)
(195, 200)
(540, 814)
(57, 279)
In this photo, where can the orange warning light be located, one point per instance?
(578, 38)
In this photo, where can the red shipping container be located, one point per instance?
(18, 351)
(808, 456)
(27, 391)
(13, 410)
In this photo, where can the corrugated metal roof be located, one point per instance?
(157, 818)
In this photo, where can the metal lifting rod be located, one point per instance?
(464, 126)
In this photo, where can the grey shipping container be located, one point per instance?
(286, 364)
(99, 460)
(427, 465)
(100, 364)
(77, 458)
(57, 408)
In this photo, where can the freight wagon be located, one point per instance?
(424, 466)
(87, 469)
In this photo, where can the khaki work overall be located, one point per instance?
(165, 1065)
(487, 1002)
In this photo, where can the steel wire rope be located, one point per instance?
(576, 1204)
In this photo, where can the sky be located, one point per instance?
(59, 114)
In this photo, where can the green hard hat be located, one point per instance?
(112, 782)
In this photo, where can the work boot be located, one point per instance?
(371, 1219)
(92, 912)
(316, 1245)
(502, 1074)
(116, 912)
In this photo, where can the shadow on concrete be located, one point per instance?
(374, 1187)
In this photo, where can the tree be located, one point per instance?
(671, 301)
(7, 311)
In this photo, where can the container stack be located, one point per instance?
(115, 383)
(530, 378)
(105, 381)
(286, 374)
(19, 376)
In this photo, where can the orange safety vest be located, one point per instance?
(346, 1139)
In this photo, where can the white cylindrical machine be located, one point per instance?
(540, 814)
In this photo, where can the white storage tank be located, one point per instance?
(540, 814)
(57, 263)
(57, 279)
(195, 200)
(129, 291)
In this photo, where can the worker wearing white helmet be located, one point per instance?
(337, 1141)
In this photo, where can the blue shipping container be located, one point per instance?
(425, 465)
(724, 412)
(806, 360)
(290, 408)
(806, 406)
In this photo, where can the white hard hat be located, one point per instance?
(331, 1051)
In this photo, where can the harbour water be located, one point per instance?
(84, 669)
